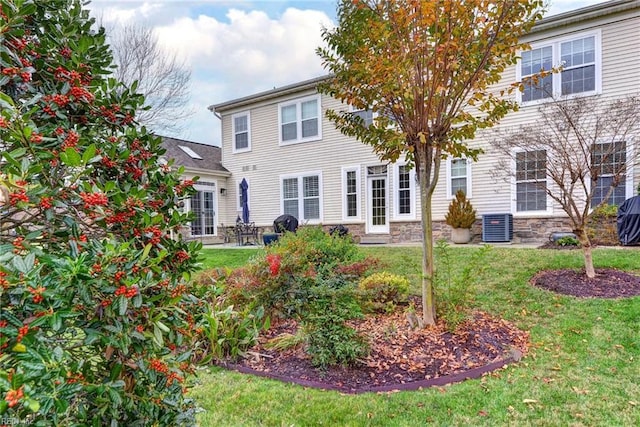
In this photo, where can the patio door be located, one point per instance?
(377, 200)
(203, 206)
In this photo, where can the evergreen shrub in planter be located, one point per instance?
(460, 217)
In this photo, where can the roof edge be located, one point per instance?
(584, 14)
(266, 95)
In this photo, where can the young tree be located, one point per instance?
(426, 69)
(585, 154)
(162, 78)
(96, 319)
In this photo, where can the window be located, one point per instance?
(533, 62)
(405, 179)
(531, 181)
(458, 177)
(203, 206)
(365, 115)
(241, 133)
(610, 162)
(190, 152)
(580, 60)
(301, 197)
(300, 121)
(351, 193)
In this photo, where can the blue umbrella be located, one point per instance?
(244, 186)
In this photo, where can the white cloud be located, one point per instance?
(248, 53)
(251, 50)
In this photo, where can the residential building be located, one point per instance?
(296, 162)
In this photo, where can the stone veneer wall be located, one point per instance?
(525, 230)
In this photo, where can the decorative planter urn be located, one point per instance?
(460, 235)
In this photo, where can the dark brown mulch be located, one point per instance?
(608, 283)
(400, 358)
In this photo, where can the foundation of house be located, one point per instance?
(525, 230)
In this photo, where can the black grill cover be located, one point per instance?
(629, 221)
(284, 223)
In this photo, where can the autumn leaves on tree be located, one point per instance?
(426, 70)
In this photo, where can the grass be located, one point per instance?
(583, 368)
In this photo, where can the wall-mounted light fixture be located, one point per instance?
(223, 191)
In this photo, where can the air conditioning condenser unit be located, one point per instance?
(497, 227)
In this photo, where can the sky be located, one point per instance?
(236, 48)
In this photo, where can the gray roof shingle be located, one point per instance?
(211, 156)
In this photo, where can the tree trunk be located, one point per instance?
(586, 252)
(428, 268)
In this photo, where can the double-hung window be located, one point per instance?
(301, 196)
(351, 193)
(580, 58)
(300, 120)
(405, 190)
(241, 132)
(458, 177)
(610, 163)
(531, 181)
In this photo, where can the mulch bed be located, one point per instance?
(608, 283)
(400, 358)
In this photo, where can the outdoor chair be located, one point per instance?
(246, 234)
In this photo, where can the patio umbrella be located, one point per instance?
(244, 186)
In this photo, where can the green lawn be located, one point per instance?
(583, 368)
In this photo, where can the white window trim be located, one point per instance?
(629, 188)
(412, 193)
(299, 177)
(298, 103)
(358, 216)
(449, 177)
(233, 132)
(557, 77)
(514, 193)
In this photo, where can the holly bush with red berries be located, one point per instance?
(97, 317)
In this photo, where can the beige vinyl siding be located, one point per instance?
(268, 161)
(620, 77)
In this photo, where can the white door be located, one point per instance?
(204, 207)
(377, 200)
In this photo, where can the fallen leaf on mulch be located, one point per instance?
(399, 355)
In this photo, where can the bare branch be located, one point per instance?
(588, 148)
(162, 78)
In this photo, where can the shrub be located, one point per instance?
(602, 225)
(231, 333)
(286, 340)
(330, 340)
(281, 276)
(461, 213)
(97, 318)
(309, 276)
(567, 241)
(382, 291)
(457, 288)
